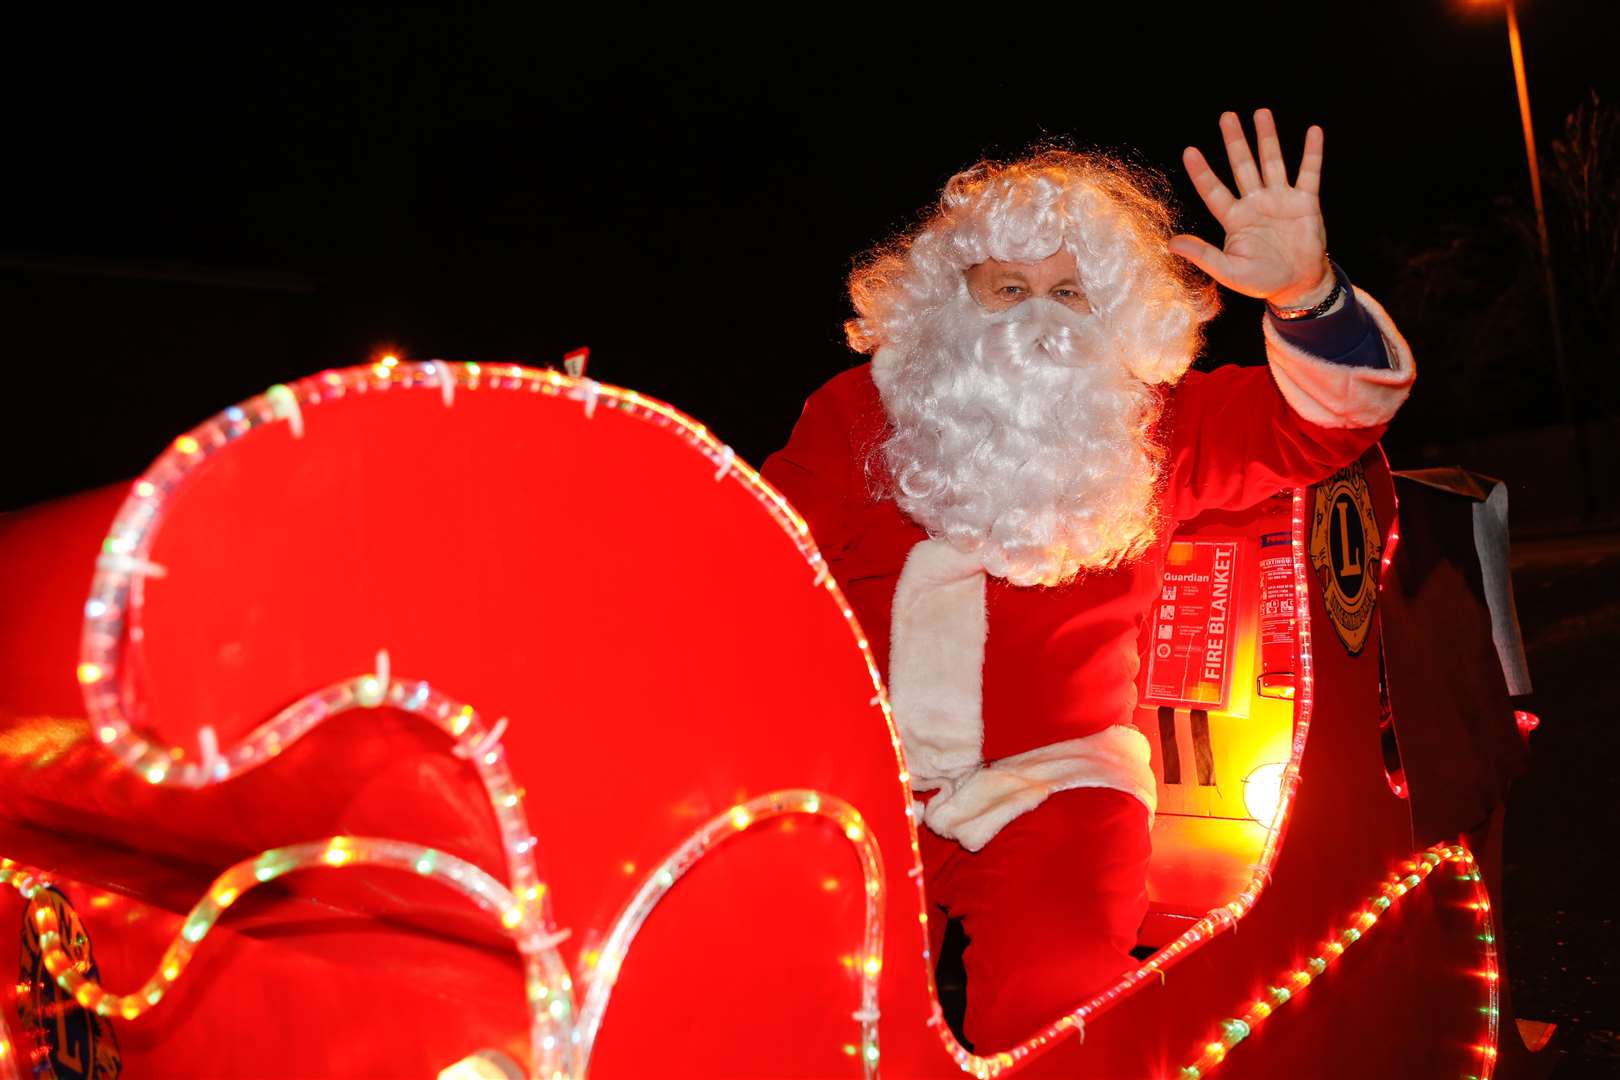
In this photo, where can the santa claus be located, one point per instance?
(996, 489)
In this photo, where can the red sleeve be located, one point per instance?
(1234, 441)
(817, 470)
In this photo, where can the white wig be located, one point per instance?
(1024, 436)
(1113, 218)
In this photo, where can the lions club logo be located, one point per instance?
(1345, 544)
(71, 1042)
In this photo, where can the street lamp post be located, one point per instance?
(1516, 46)
(1560, 366)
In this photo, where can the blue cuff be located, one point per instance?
(1347, 336)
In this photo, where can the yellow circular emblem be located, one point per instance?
(1345, 548)
(71, 1042)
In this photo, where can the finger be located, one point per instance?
(1210, 189)
(1272, 167)
(1202, 254)
(1310, 166)
(1237, 152)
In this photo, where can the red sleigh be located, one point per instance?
(438, 720)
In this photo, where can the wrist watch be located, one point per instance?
(1340, 285)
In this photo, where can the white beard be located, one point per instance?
(1021, 437)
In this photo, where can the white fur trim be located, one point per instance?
(936, 690)
(974, 809)
(1338, 395)
(936, 663)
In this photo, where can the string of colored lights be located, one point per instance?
(487, 893)
(603, 967)
(231, 886)
(551, 987)
(113, 613)
(1412, 873)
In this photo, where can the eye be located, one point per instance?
(1010, 292)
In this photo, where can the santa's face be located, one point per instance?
(998, 285)
(1018, 432)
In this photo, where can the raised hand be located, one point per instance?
(1276, 242)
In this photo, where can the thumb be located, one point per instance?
(1202, 254)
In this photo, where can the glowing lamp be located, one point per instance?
(484, 1065)
(1262, 792)
(1528, 721)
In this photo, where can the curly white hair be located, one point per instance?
(1023, 436)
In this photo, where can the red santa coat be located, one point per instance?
(1004, 694)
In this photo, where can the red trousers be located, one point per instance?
(1051, 907)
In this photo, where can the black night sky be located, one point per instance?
(200, 207)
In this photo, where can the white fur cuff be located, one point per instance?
(975, 808)
(1338, 395)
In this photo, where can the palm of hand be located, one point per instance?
(1276, 241)
(1273, 240)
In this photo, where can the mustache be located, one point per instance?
(1033, 331)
